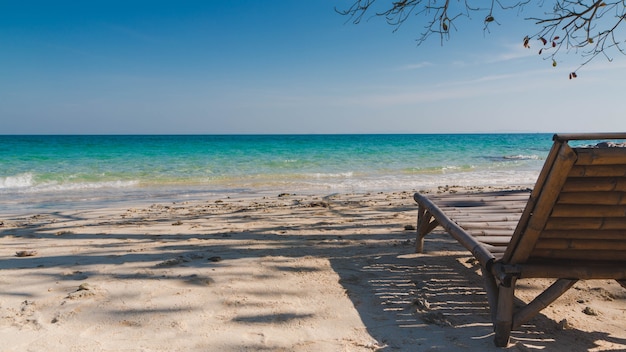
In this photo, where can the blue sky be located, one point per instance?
(282, 66)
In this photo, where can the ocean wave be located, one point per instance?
(454, 168)
(347, 174)
(439, 169)
(26, 184)
(415, 182)
(521, 157)
(16, 182)
(89, 185)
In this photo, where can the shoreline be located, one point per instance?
(63, 171)
(143, 197)
(298, 272)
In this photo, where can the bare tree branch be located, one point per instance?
(589, 28)
(577, 26)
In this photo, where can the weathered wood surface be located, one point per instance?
(490, 218)
(574, 230)
(600, 156)
(571, 226)
(593, 198)
(599, 171)
(529, 230)
(563, 137)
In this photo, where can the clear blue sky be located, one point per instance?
(281, 66)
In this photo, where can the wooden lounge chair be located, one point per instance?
(571, 227)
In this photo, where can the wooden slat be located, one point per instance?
(564, 137)
(586, 244)
(573, 240)
(534, 195)
(484, 216)
(586, 211)
(565, 268)
(487, 197)
(614, 224)
(495, 250)
(492, 232)
(482, 209)
(601, 156)
(494, 240)
(585, 234)
(598, 171)
(503, 225)
(526, 235)
(581, 255)
(595, 184)
(478, 250)
(593, 198)
(586, 224)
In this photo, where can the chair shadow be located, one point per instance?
(438, 298)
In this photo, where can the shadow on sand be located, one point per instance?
(404, 299)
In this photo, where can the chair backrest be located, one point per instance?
(577, 210)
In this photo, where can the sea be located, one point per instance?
(49, 172)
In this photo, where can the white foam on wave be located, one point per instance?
(332, 175)
(521, 157)
(404, 182)
(16, 182)
(455, 168)
(26, 184)
(86, 185)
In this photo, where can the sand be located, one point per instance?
(284, 272)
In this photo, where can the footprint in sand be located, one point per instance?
(83, 291)
(75, 275)
(63, 316)
(27, 315)
(195, 280)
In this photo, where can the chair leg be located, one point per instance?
(425, 224)
(422, 221)
(491, 286)
(419, 244)
(504, 314)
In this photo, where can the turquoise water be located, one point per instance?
(49, 171)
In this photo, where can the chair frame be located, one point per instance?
(548, 209)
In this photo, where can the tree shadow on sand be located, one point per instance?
(404, 299)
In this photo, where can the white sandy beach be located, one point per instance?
(276, 273)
